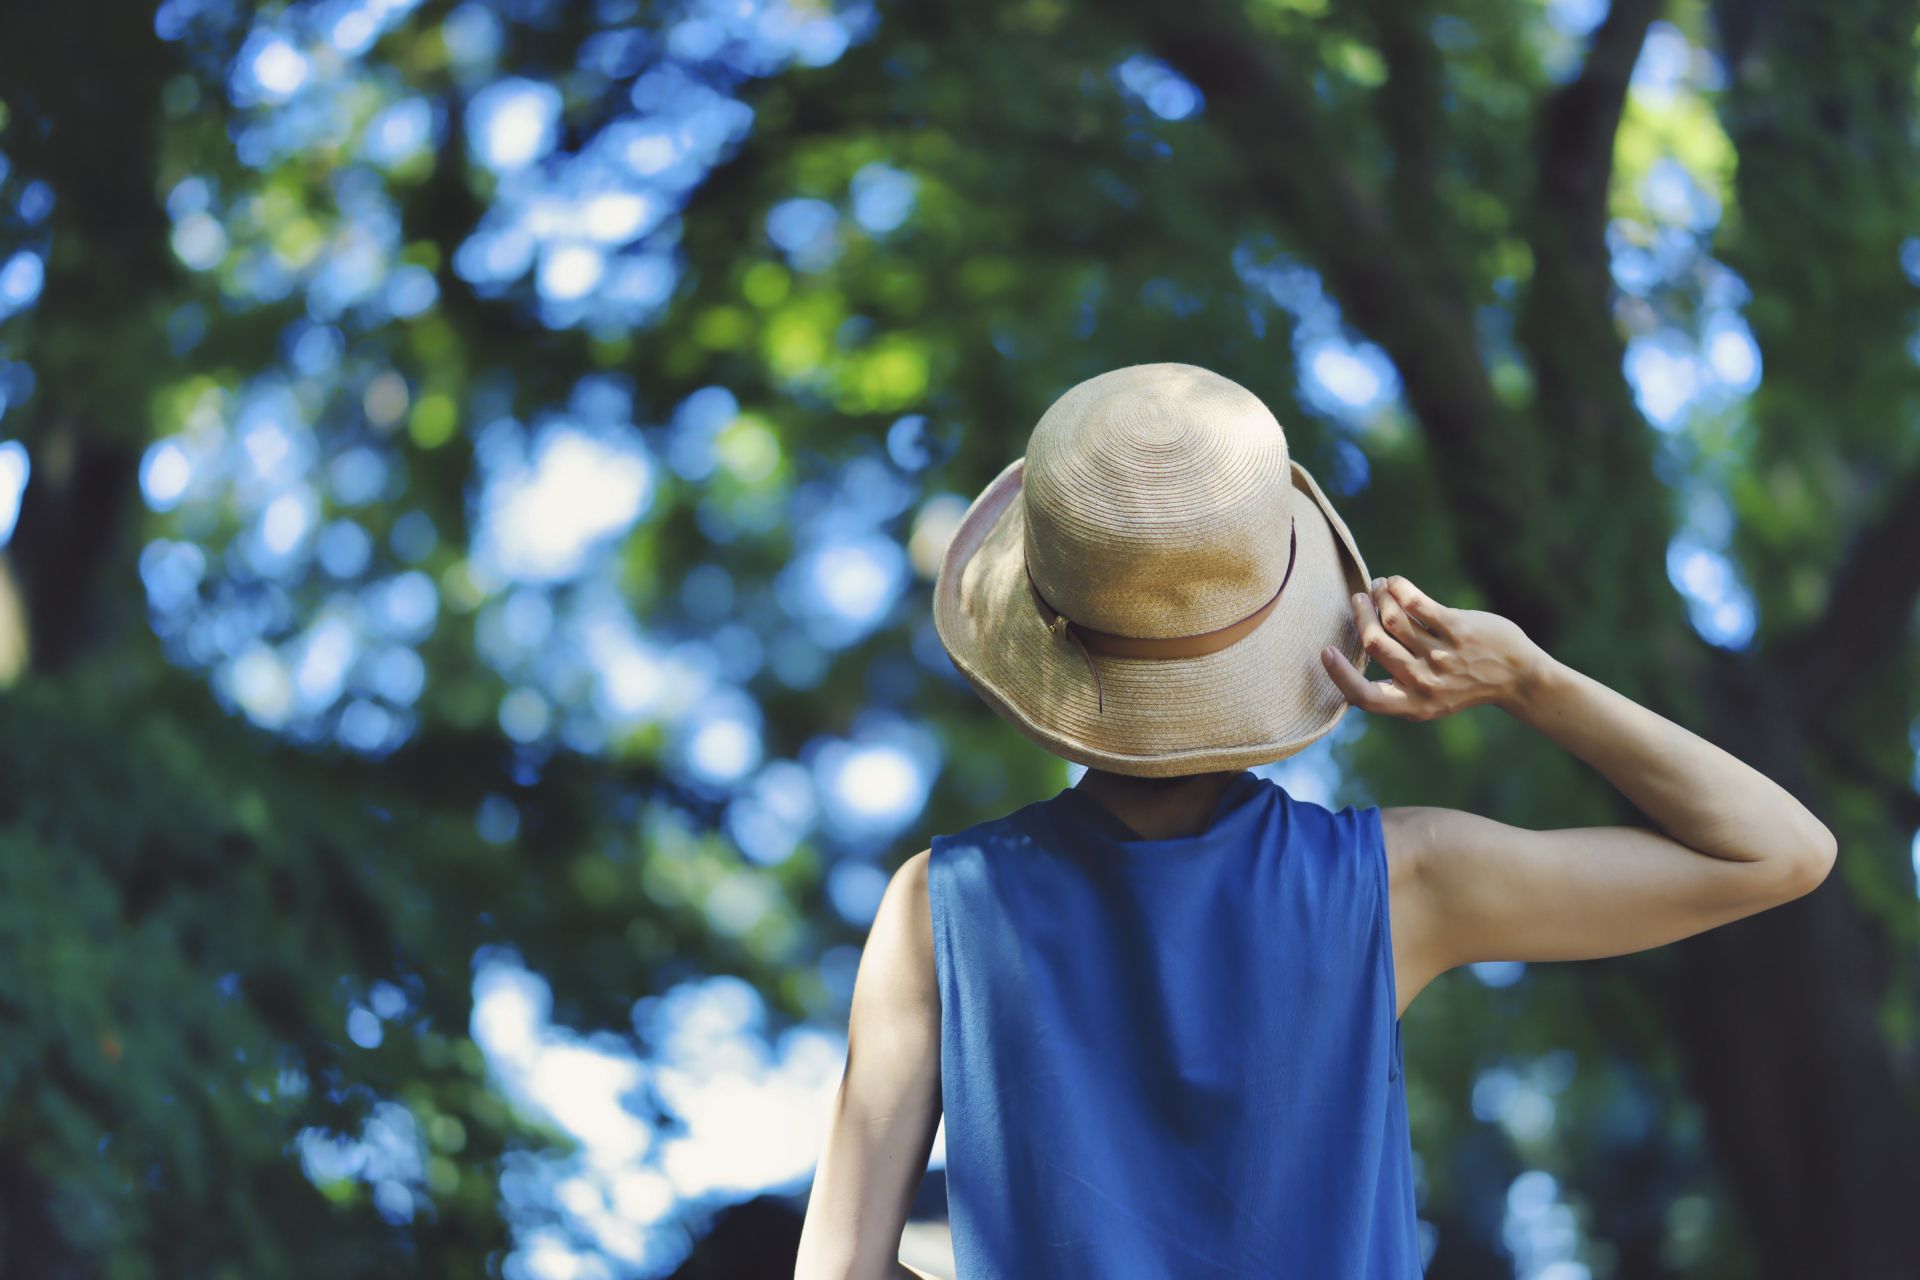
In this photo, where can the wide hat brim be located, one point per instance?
(1261, 699)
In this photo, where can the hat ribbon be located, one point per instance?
(1194, 646)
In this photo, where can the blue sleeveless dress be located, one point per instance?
(1172, 1058)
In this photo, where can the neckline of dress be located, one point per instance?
(1096, 819)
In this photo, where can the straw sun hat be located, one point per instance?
(1148, 590)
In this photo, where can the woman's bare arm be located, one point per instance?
(888, 1104)
(1732, 841)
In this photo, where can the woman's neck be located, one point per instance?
(1159, 808)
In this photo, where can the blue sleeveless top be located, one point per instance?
(1174, 1057)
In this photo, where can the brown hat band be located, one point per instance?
(1193, 646)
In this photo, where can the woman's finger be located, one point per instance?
(1379, 644)
(1381, 696)
(1422, 608)
(1400, 624)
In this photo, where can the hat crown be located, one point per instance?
(1157, 498)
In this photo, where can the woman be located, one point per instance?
(1161, 1009)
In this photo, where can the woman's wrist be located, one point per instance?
(1536, 674)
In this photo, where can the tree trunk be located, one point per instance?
(1774, 1017)
(84, 82)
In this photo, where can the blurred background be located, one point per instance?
(472, 476)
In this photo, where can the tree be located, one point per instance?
(774, 308)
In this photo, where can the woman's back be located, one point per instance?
(1173, 1057)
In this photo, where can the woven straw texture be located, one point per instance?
(1153, 500)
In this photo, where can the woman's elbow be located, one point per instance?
(845, 1267)
(823, 1264)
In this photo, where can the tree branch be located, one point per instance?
(1484, 458)
(1578, 123)
(1869, 609)
(1821, 108)
(1412, 116)
(1601, 461)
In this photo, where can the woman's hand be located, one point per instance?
(1441, 660)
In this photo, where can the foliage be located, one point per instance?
(488, 461)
